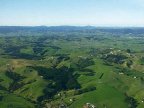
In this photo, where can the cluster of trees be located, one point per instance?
(142, 61)
(81, 63)
(129, 72)
(131, 101)
(16, 80)
(129, 63)
(118, 58)
(61, 79)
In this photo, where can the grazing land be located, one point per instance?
(75, 67)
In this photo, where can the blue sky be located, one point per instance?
(72, 12)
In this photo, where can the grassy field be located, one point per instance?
(105, 69)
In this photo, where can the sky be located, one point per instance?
(72, 12)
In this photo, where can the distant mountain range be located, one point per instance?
(43, 29)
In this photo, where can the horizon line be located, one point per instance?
(121, 26)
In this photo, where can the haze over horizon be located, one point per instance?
(72, 12)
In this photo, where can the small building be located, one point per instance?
(135, 77)
(89, 105)
(62, 106)
(121, 73)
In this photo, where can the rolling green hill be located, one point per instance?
(47, 67)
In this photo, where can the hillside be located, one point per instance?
(77, 67)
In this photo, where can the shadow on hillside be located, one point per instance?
(60, 79)
(14, 52)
